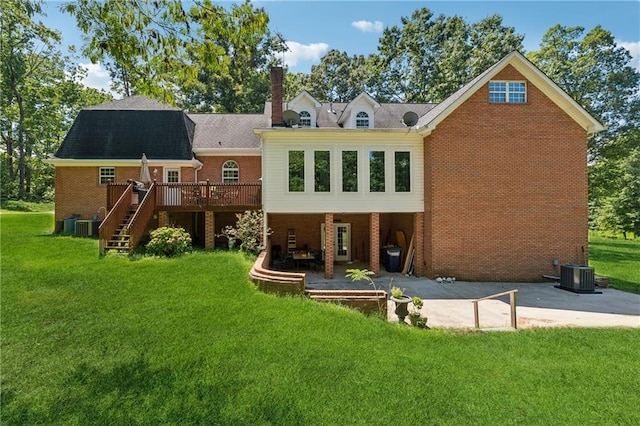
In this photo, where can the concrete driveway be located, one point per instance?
(538, 304)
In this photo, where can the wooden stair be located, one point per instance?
(119, 241)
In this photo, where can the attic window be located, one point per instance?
(230, 172)
(513, 92)
(107, 174)
(362, 120)
(305, 119)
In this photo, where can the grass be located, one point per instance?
(617, 259)
(190, 341)
(26, 206)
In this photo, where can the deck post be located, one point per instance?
(514, 318)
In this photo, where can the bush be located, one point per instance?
(169, 241)
(248, 231)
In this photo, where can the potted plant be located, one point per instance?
(416, 319)
(402, 302)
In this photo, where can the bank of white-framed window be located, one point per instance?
(514, 92)
(352, 172)
(106, 175)
(230, 172)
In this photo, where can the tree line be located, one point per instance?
(209, 57)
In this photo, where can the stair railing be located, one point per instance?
(512, 302)
(138, 223)
(115, 217)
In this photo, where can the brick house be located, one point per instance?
(490, 184)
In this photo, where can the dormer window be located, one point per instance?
(230, 172)
(513, 92)
(362, 120)
(305, 119)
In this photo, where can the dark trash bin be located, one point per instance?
(392, 257)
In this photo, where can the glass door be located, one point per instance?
(341, 241)
(172, 195)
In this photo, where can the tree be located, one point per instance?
(597, 74)
(204, 58)
(38, 100)
(21, 36)
(621, 211)
(426, 59)
(340, 77)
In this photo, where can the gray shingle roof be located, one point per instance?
(227, 131)
(388, 116)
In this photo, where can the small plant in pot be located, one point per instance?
(416, 319)
(401, 301)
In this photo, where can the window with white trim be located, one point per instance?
(296, 171)
(376, 171)
(362, 120)
(403, 171)
(514, 92)
(349, 171)
(107, 174)
(172, 175)
(322, 171)
(230, 172)
(305, 119)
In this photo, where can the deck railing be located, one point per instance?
(139, 221)
(115, 216)
(199, 196)
(114, 191)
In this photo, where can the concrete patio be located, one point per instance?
(448, 305)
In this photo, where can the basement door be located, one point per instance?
(172, 196)
(341, 241)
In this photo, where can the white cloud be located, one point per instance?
(304, 52)
(368, 26)
(634, 48)
(97, 77)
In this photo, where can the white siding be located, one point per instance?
(278, 199)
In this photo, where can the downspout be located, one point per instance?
(197, 169)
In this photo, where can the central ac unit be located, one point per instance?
(577, 278)
(87, 228)
(83, 228)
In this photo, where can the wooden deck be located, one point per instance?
(198, 196)
(130, 209)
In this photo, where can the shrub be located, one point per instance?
(169, 241)
(248, 230)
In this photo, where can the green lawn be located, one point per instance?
(190, 341)
(617, 259)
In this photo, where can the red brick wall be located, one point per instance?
(307, 228)
(78, 190)
(506, 189)
(250, 168)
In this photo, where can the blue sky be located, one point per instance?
(312, 28)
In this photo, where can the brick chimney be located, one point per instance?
(276, 96)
